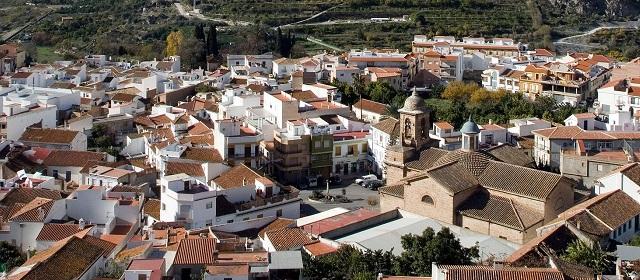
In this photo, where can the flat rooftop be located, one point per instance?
(387, 236)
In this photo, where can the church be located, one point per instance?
(494, 191)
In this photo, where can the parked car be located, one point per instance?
(373, 184)
(335, 180)
(365, 178)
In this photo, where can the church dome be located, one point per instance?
(414, 103)
(470, 127)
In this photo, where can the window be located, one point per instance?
(142, 277)
(208, 223)
(279, 213)
(317, 144)
(229, 221)
(365, 147)
(327, 143)
(350, 149)
(209, 205)
(599, 167)
(259, 216)
(338, 150)
(427, 199)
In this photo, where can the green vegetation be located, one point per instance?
(459, 101)
(10, 256)
(102, 140)
(591, 256)
(376, 91)
(419, 252)
(618, 43)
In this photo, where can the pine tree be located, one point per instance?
(199, 32)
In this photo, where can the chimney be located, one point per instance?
(380, 276)
(578, 225)
(81, 223)
(498, 265)
(40, 213)
(244, 181)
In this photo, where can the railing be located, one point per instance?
(259, 202)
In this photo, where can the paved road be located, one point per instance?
(627, 25)
(356, 193)
(189, 15)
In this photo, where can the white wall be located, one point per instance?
(16, 124)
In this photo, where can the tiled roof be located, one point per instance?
(602, 213)
(192, 169)
(198, 129)
(202, 154)
(371, 106)
(67, 261)
(34, 211)
(519, 180)
(57, 232)
(463, 272)
(453, 176)
(318, 248)
(286, 239)
(443, 125)
(388, 126)
(49, 135)
(234, 177)
(26, 195)
(500, 210)
(123, 97)
(396, 190)
(556, 238)
(195, 251)
(632, 171)
(72, 158)
(278, 223)
(427, 159)
(510, 154)
(106, 246)
(152, 208)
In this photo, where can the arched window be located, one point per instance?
(407, 128)
(427, 199)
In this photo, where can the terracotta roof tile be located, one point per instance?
(152, 208)
(388, 126)
(278, 223)
(371, 106)
(453, 176)
(57, 232)
(49, 135)
(202, 154)
(510, 154)
(519, 180)
(34, 211)
(26, 195)
(195, 252)
(72, 158)
(68, 261)
(234, 177)
(318, 248)
(460, 272)
(396, 190)
(286, 239)
(500, 210)
(192, 169)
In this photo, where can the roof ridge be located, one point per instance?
(597, 218)
(513, 206)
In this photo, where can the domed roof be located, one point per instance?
(470, 127)
(414, 103)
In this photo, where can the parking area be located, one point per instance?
(358, 195)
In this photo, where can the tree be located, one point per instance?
(589, 255)
(10, 256)
(199, 32)
(421, 250)
(212, 41)
(192, 53)
(175, 41)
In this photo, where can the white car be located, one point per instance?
(366, 178)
